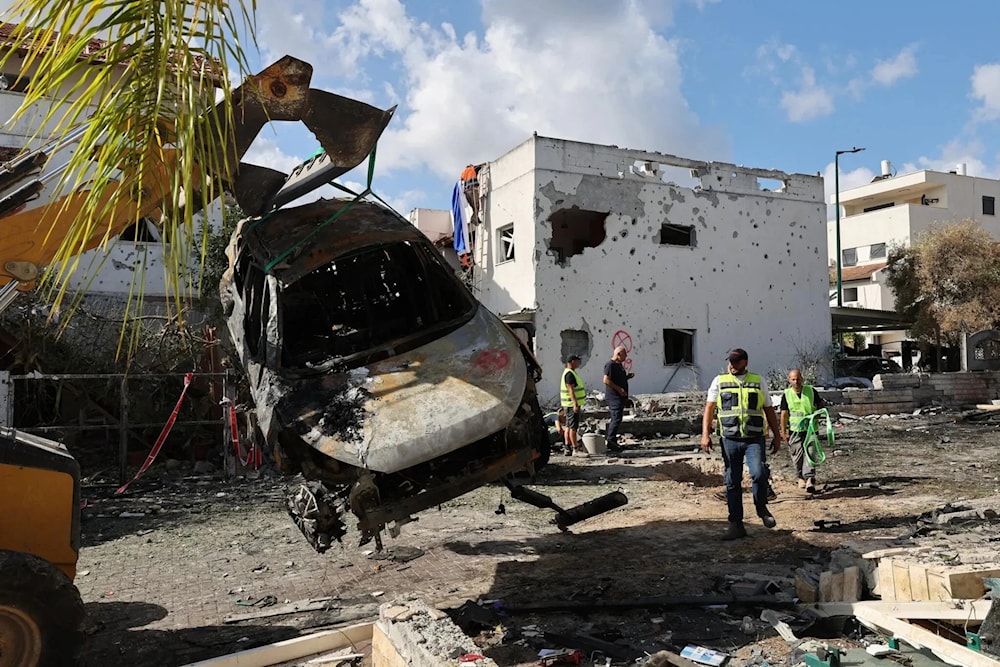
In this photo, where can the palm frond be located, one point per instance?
(140, 75)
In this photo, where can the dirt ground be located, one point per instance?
(162, 568)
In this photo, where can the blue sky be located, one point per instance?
(770, 84)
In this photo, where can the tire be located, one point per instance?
(41, 613)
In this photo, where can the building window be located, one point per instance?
(505, 244)
(850, 257)
(878, 207)
(877, 251)
(678, 346)
(14, 83)
(989, 205)
(850, 294)
(677, 234)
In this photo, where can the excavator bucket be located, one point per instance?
(346, 129)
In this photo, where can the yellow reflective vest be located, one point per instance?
(564, 395)
(799, 408)
(741, 406)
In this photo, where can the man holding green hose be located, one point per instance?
(798, 402)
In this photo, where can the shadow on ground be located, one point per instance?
(115, 636)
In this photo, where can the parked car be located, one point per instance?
(864, 367)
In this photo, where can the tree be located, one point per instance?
(949, 279)
(140, 77)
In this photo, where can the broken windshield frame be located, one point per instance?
(368, 305)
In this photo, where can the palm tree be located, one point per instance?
(136, 80)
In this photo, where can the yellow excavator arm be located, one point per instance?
(35, 217)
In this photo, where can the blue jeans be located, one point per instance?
(617, 412)
(733, 453)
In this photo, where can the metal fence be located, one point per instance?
(103, 418)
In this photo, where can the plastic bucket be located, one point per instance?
(594, 442)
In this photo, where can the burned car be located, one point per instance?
(373, 370)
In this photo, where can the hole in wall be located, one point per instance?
(575, 229)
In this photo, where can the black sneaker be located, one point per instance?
(767, 518)
(735, 531)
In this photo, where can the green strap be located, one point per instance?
(812, 447)
(358, 196)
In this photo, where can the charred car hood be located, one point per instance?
(408, 409)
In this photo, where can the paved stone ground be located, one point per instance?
(158, 587)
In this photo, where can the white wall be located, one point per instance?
(756, 277)
(434, 223)
(510, 285)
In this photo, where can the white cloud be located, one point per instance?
(954, 153)
(808, 102)
(901, 66)
(468, 98)
(986, 89)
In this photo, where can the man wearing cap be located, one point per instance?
(743, 407)
(571, 396)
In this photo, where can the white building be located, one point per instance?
(894, 210)
(594, 246)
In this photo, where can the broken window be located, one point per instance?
(574, 341)
(376, 302)
(678, 346)
(573, 230)
(143, 231)
(849, 257)
(14, 83)
(505, 244)
(677, 234)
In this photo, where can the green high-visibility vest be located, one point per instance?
(564, 395)
(741, 406)
(799, 408)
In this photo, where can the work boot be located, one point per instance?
(810, 485)
(735, 531)
(767, 518)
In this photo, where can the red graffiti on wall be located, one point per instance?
(491, 361)
(623, 338)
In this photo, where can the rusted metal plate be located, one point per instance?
(417, 406)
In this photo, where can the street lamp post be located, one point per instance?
(836, 196)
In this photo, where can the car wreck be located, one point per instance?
(374, 373)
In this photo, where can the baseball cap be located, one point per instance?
(573, 357)
(737, 354)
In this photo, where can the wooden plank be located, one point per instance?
(893, 551)
(918, 637)
(963, 583)
(901, 581)
(826, 586)
(852, 584)
(918, 583)
(959, 611)
(886, 587)
(806, 588)
(292, 649)
(837, 587)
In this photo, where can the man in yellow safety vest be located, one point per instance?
(743, 406)
(571, 396)
(797, 403)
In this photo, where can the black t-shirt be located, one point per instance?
(570, 378)
(616, 373)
